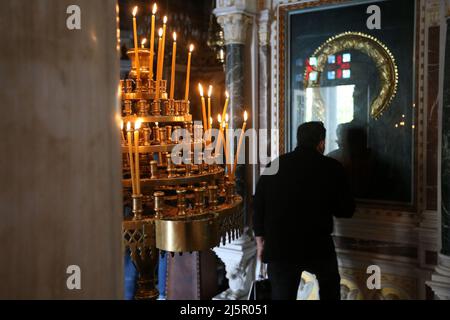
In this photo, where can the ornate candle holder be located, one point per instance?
(137, 207)
(206, 209)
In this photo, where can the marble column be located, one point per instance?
(60, 169)
(264, 80)
(235, 28)
(234, 81)
(238, 256)
(440, 282)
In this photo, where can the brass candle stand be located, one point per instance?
(183, 207)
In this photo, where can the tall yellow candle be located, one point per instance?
(130, 155)
(219, 138)
(225, 107)
(227, 145)
(174, 60)
(241, 138)
(205, 121)
(210, 131)
(209, 105)
(152, 41)
(136, 48)
(158, 70)
(188, 72)
(163, 46)
(137, 127)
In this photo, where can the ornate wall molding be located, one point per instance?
(264, 28)
(433, 13)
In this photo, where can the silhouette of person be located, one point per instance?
(293, 216)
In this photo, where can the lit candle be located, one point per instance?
(174, 59)
(225, 107)
(188, 72)
(163, 46)
(244, 126)
(136, 48)
(137, 126)
(209, 105)
(205, 122)
(158, 69)
(225, 146)
(219, 138)
(130, 155)
(152, 41)
(143, 42)
(219, 119)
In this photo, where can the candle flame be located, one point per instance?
(210, 91)
(227, 118)
(135, 10)
(245, 116)
(128, 126)
(143, 42)
(157, 123)
(160, 32)
(121, 125)
(155, 8)
(165, 19)
(227, 94)
(200, 88)
(137, 124)
(191, 48)
(219, 119)
(174, 36)
(211, 121)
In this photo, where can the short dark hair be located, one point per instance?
(310, 134)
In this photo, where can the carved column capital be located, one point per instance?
(235, 26)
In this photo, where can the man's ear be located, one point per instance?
(321, 147)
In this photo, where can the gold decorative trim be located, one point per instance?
(372, 47)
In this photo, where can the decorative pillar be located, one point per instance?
(264, 72)
(60, 165)
(440, 281)
(235, 27)
(240, 265)
(239, 256)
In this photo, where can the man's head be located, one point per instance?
(311, 135)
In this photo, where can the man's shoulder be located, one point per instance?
(332, 163)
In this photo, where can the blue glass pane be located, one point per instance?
(331, 75)
(346, 57)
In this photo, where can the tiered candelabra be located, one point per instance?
(182, 200)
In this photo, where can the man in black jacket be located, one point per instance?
(293, 217)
